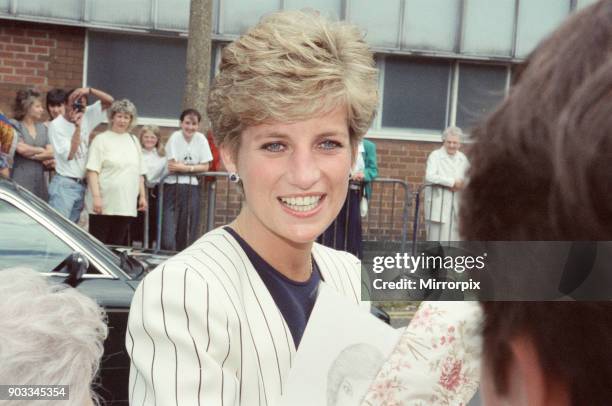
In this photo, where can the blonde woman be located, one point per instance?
(219, 323)
(115, 175)
(156, 167)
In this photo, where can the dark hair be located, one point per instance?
(191, 112)
(540, 170)
(540, 164)
(573, 341)
(23, 100)
(55, 97)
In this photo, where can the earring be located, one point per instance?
(234, 178)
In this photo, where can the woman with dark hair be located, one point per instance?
(33, 147)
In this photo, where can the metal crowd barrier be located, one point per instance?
(439, 215)
(388, 211)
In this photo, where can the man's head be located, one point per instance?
(451, 140)
(56, 103)
(540, 170)
(547, 354)
(75, 104)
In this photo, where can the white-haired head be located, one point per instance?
(452, 130)
(50, 334)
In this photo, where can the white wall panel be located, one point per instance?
(69, 9)
(173, 14)
(121, 12)
(237, 16)
(537, 19)
(430, 24)
(379, 20)
(328, 8)
(488, 27)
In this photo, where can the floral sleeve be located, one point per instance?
(436, 361)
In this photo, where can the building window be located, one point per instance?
(150, 71)
(415, 93)
(480, 89)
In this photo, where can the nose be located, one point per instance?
(303, 168)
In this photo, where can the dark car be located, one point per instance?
(35, 236)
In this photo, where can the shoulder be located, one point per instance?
(368, 145)
(333, 260)
(214, 252)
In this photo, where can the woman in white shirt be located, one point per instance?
(156, 168)
(115, 174)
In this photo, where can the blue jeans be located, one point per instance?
(67, 196)
(181, 216)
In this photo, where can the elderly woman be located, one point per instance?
(49, 335)
(445, 175)
(156, 166)
(33, 147)
(115, 174)
(219, 323)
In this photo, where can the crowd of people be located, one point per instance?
(113, 175)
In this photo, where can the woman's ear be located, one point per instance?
(228, 156)
(532, 383)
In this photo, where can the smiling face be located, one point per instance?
(56, 110)
(36, 110)
(120, 122)
(189, 125)
(452, 143)
(148, 140)
(295, 176)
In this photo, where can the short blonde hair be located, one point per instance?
(292, 66)
(123, 106)
(157, 132)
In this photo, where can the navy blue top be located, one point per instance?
(294, 299)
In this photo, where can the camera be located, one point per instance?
(78, 106)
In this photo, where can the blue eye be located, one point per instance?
(273, 147)
(330, 145)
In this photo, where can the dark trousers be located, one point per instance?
(110, 229)
(137, 226)
(181, 216)
(345, 232)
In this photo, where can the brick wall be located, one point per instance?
(38, 55)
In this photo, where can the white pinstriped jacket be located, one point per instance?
(204, 330)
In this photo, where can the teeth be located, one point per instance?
(301, 203)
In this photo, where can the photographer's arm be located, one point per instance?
(75, 141)
(104, 97)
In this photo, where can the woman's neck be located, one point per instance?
(28, 121)
(289, 258)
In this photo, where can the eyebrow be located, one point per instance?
(281, 135)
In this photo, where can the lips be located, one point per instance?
(301, 203)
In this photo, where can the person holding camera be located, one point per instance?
(69, 135)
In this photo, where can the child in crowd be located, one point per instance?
(155, 165)
(188, 153)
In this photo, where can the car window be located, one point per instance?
(26, 243)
